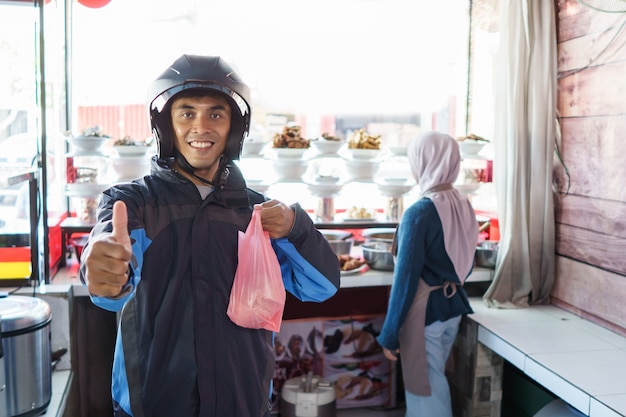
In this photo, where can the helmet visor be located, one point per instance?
(161, 100)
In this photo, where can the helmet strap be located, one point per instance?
(222, 171)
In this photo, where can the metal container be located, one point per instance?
(379, 234)
(25, 358)
(326, 209)
(340, 241)
(395, 208)
(378, 255)
(308, 396)
(486, 254)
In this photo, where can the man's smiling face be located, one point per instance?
(201, 125)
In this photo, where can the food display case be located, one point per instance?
(337, 183)
(352, 185)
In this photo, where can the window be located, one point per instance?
(19, 114)
(393, 67)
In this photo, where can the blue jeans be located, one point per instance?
(439, 337)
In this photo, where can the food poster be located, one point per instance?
(341, 350)
(298, 348)
(355, 363)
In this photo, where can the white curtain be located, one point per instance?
(526, 130)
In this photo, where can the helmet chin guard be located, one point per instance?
(199, 73)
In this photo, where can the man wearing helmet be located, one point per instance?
(164, 255)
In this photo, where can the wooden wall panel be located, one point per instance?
(594, 49)
(575, 20)
(594, 248)
(587, 93)
(601, 216)
(590, 205)
(591, 293)
(593, 150)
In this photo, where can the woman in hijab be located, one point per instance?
(434, 248)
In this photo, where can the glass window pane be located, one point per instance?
(18, 108)
(18, 85)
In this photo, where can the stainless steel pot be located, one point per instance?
(378, 255)
(25, 357)
(340, 241)
(379, 234)
(486, 254)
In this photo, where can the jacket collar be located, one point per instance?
(231, 193)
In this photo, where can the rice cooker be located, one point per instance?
(308, 396)
(25, 356)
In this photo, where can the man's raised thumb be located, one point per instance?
(120, 222)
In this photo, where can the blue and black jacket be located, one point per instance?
(177, 353)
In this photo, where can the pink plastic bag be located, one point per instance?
(257, 298)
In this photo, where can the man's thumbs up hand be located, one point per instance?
(107, 258)
(120, 223)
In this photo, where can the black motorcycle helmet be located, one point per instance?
(198, 72)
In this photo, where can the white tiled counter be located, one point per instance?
(66, 282)
(582, 363)
(372, 278)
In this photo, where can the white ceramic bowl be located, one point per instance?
(393, 180)
(253, 147)
(326, 179)
(260, 186)
(88, 143)
(129, 168)
(324, 190)
(131, 150)
(327, 147)
(289, 168)
(394, 190)
(290, 153)
(361, 169)
(470, 147)
(397, 150)
(363, 154)
(85, 189)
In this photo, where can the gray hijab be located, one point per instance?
(435, 162)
